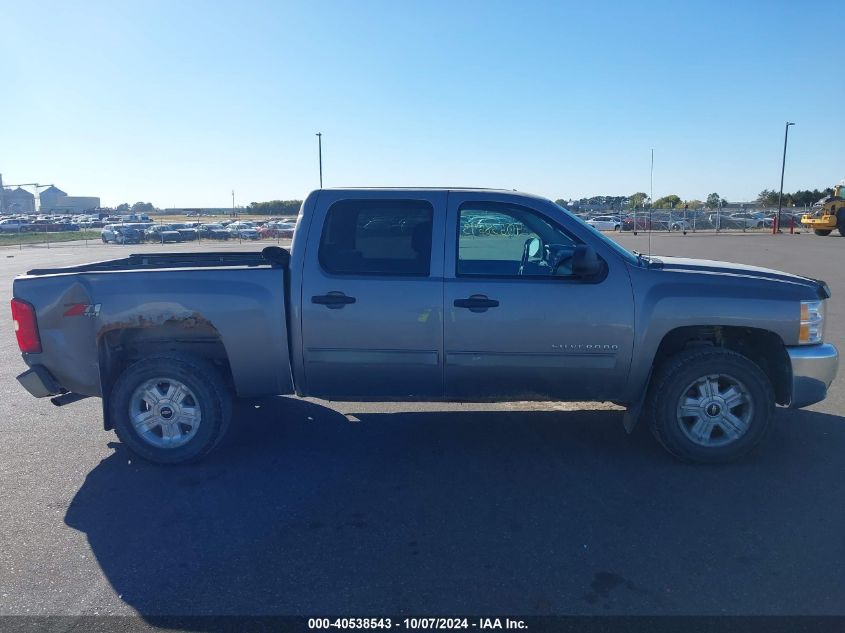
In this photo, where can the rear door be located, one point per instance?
(372, 296)
(514, 327)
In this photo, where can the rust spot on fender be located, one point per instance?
(185, 319)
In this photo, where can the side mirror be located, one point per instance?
(533, 247)
(586, 262)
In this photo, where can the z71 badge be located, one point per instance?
(82, 309)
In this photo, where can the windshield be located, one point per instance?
(624, 252)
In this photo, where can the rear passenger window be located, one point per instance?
(377, 237)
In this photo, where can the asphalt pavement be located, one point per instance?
(351, 509)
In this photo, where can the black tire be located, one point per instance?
(672, 381)
(840, 223)
(206, 386)
(822, 232)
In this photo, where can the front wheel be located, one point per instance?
(840, 223)
(710, 405)
(170, 408)
(822, 232)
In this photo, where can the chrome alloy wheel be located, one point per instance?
(165, 413)
(715, 410)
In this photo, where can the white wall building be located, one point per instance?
(73, 204)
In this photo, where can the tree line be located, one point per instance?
(769, 197)
(138, 207)
(275, 207)
(640, 200)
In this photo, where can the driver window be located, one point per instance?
(505, 240)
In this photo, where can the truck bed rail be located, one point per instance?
(271, 256)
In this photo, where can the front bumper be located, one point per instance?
(821, 222)
(813, 369)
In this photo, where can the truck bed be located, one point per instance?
(228, 305)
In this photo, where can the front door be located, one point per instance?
(518, 323)
(372, 297)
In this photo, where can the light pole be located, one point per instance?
(320, 155)
(782, 169)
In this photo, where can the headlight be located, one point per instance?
(812, 322)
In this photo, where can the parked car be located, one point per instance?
(128, 235)
(107, 234)
(15, 226)
(748, 220)
(277, 229)
(728, 221)
(703, 350)
(187, 231)
(605, 223)
(91, 224)
(162, 233)
(640, 222)
(243, 230)
(212, 232)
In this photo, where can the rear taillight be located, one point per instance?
(26, 327)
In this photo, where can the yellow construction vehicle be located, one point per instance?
(828, 213)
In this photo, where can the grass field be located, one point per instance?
(12, 239)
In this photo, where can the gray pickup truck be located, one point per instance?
(427, 295)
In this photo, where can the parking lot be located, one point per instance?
(346, 508)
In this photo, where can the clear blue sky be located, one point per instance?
(178, 103)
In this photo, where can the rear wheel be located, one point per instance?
(823, 232)
(840, 223)
(170, 408)
(710, 405)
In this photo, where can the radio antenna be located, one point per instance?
(650, 201)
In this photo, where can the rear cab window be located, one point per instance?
(377, 237)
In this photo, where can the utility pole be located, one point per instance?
(782, 170)
(320, 155)
(233, 203)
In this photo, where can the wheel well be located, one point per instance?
(119, 348)
(763, 347)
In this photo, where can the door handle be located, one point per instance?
(332, 300)
(476, 303)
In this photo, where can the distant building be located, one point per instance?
(73, 204)
(54, 200)
(49, 198)
(18, 201)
